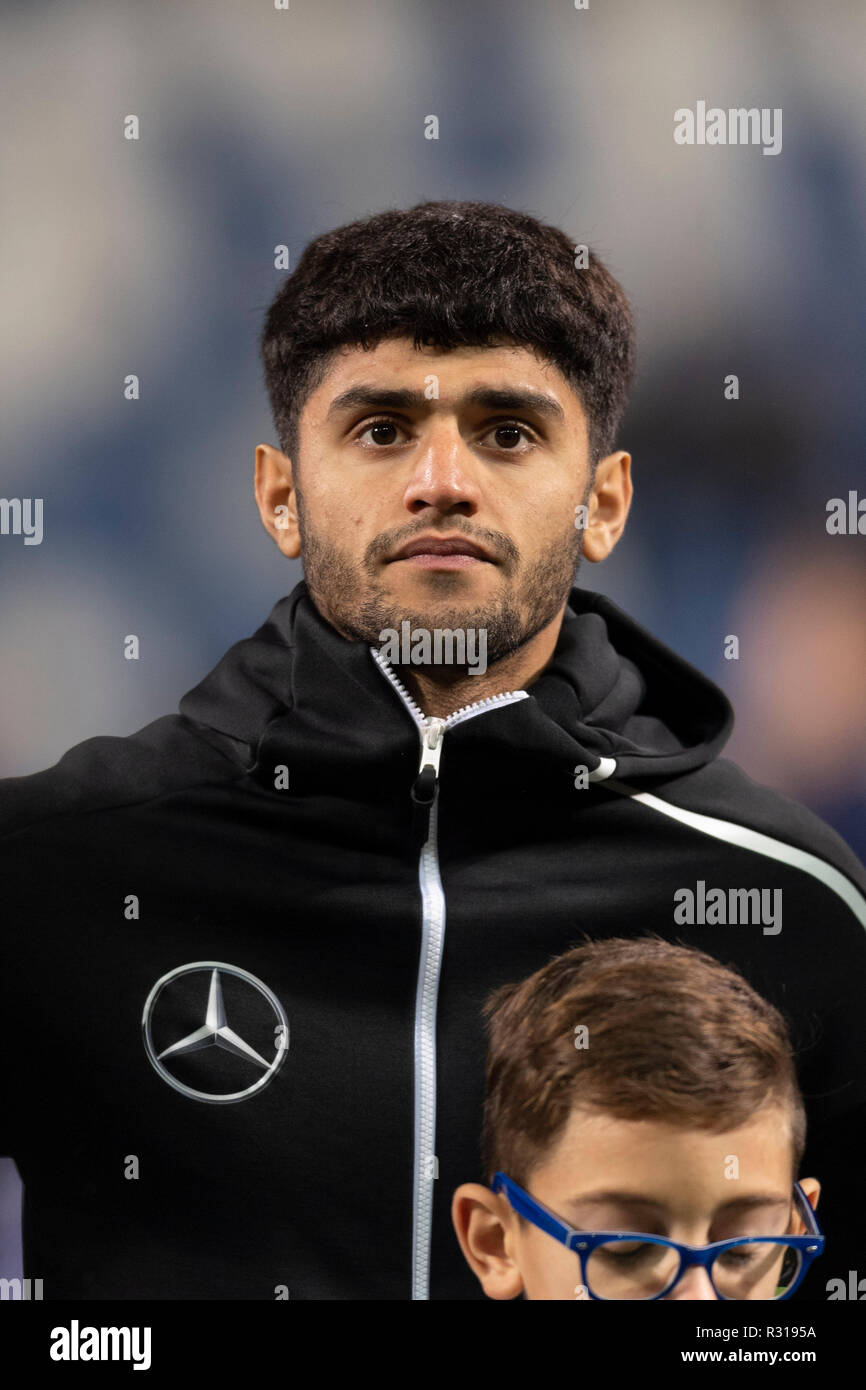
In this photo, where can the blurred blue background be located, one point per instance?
(261, 127)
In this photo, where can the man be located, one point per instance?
(245, 949)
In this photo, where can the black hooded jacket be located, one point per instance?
(347, 886)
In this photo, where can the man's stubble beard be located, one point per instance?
(344, 591)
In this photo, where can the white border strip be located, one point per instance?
(753, 840)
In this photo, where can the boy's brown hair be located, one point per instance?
(672, 1035)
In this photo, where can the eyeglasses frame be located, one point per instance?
(583, 1243)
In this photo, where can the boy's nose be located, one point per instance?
(694, 1285)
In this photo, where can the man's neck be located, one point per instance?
(438, 698)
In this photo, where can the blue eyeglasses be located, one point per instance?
(631, 1265)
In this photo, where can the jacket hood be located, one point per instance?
(299, 692)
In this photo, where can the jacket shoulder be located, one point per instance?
(105, 772)
(722, 800)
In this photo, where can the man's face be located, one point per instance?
(607, 1174)
(476, 447)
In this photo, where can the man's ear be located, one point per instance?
(483, 1229)
(276, 499)
(812, 1189)
(609, 502)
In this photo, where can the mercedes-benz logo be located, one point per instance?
(215, 1031)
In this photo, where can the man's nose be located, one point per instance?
(695, 1285)
(445, 474)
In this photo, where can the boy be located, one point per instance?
(643, 1090)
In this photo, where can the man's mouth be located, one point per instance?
(441, 553)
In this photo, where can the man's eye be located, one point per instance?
(383, 431)
(507, 435)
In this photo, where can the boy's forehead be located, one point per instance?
(599, 1151)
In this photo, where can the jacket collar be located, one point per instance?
(298, 691)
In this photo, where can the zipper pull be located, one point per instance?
(424, 786)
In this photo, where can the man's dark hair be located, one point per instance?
(451, 274)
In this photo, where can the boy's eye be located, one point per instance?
(629, 1252)
(743, 1255)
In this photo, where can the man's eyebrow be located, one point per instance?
(385, 397)
(516, 399)
(375, 396)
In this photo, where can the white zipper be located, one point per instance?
(432, 733)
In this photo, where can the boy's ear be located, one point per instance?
(484, 1229)
(812, 1189)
